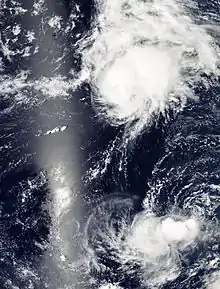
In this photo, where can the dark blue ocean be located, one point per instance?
(52, 143)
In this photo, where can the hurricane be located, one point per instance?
(145, 57)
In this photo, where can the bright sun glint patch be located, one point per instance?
(144, 58)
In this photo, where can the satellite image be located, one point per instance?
(109, 144)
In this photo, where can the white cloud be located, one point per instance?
(143, 58)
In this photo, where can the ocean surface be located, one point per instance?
(109, 144)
